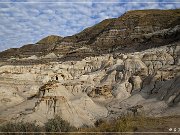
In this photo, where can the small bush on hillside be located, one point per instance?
(19, 127)
(57, 124)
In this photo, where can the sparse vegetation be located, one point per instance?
(129, 123)
(58, 125)
(10, 127)
(125, 123)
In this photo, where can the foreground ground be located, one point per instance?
(125, 124)
(140, 124)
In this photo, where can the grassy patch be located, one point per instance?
(129, 123)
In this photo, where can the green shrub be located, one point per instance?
(124, 124)
(57, 124)
(19, 127)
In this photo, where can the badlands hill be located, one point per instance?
(119, 66)
(133, 31)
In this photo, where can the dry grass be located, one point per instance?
(126, 123)
(129, 123)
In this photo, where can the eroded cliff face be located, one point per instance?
(133, 31)
(84, 91)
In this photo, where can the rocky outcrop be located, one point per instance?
(104, 91)
(73, 88)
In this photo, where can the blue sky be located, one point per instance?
(27, 21)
